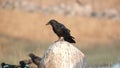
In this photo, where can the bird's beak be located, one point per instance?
(48, 23)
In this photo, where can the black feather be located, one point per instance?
(61, 31)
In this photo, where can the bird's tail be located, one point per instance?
(69, 39)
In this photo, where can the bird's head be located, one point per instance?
(31, 55)
(21, 62)
(2, 64)
(52, 21)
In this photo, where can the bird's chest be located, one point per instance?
(58, 31)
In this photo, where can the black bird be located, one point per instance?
(35, 59)
(23, 64)
(61, 31)
(4, 65)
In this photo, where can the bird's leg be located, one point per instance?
(62, 39)
(58, 39)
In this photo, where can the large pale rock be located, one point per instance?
(62, 54)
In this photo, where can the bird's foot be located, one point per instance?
(62, 39)
(57, 40)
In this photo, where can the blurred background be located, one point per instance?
(95, 24)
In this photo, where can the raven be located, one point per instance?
(61, 31)
(23, 64)
(4, 65)
(35, 59)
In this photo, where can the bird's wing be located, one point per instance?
(59, 27)
(63, 27)
(68, 30)
(37, 60)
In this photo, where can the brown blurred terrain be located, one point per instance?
(23, 32)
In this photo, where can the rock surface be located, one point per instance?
(62, 54)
